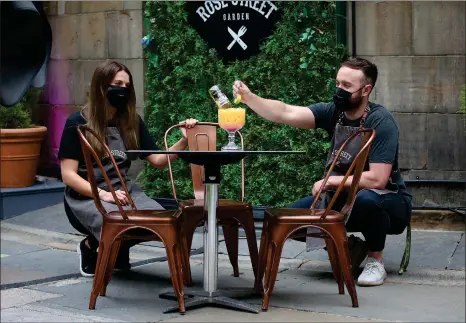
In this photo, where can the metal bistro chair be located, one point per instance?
(230, 213)
(163, 224)
(280, 224)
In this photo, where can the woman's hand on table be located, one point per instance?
(160, 161)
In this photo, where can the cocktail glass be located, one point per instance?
(231, 120)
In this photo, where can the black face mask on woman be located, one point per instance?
(342, 99)
(118, 97)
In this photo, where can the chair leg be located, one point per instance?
(189, 223)
(172, 245)
(101, 267)
(230, 232)
(247, 222)
(338, 233)
(264, 245)
(275, 247)
(111, 265)
(407, 253)
(185, 265)
(333, 256)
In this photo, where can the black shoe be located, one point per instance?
(87, 259)
(122, 261)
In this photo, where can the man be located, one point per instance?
(382, 205)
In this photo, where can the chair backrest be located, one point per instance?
(203, 136)
(89, 155)
(357, 165)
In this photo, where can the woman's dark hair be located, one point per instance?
(97, 111)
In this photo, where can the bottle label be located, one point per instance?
(221, 99)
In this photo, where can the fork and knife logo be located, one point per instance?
(237, 37)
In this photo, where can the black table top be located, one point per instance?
(222, 157)
(216, 152)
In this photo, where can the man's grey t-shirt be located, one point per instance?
(384, 149)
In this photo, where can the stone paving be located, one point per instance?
(40, 281)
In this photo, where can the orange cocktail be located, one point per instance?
(232, 119)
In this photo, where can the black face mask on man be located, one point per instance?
(342, 99)
(118, 97)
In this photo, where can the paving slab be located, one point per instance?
(38, 313)
(458, 260)
(51, 218)
(198, 241)
(54, 219)
(291, 249)
(37, 265)
(429, 249)
(135, 297)
(10, 248)
(132, 297)
(314, 255)
(11, 275)
(424, 243)
(272, 315)
(387, 302)
(20, 296)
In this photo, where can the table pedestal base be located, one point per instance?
(194, 299)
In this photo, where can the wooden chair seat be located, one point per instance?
(141, 216)
(222, 204)
(304, 215)
(281, 224)
(117, 226)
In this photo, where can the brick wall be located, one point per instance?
(420, 50)
(86, 33)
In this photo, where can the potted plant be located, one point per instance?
(20, 142)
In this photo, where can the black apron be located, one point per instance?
(84, 208)
(341, 134)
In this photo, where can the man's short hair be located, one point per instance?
(368, 69)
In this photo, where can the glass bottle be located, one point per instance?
(219, 97)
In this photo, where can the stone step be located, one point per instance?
(16, 201)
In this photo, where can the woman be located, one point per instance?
(111, 113)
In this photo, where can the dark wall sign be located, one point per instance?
(234, 28)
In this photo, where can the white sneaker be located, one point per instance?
(373, 274)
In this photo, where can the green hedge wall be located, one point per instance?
(297, 65)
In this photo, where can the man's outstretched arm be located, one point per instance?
(274, 110)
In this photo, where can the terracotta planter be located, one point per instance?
(20, 151)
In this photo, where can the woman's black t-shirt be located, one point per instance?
(70, 146)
